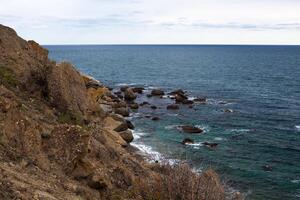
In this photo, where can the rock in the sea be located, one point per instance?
(157, 92)
(179, 98)
(153, 107)
(155, 118)
(191, 129)
(149, 95)
(177, 92)
(187, 141)
(267, 168)
(124, 88)
(129, 95)
(227, 110)
(186, 101)
(144, 103)
(124, 111)
(200, 100)
(173, 107)
(210, 145)
(134, 106)
(138, 90)
(127, 135)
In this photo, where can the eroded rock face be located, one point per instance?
(27, 60)
(67, 94)
(69, 146)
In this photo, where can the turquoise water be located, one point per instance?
(260, 83)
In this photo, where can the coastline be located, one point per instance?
(65, 136)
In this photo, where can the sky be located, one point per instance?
(154, 21)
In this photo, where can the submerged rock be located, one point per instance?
(210, 145)
(144, 103)
(191, 129)
(179, 98)
(153, 107)
(155, 118)
(267, 168)
(177, 92)
(186, 101)
(200, 100)
(173, 107)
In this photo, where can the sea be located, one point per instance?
(260, 84)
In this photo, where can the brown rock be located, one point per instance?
(129, 124)
(180, 98)
(191, 129)
(124, 88)
(138, 90)
(129, 95)
(157, 92)
(134, 106)
(97, 182)
(177, 92)
(67, 94)
(173, 107)
(122, 111)
(186, 101)
(127, 136)
(121, 127)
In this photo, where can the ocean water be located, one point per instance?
(261, 84)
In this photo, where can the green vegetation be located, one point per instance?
(69, 118)
(7, 77)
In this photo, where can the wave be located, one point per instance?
(126, 84)
(218, 138)
(138, 134)
(297, 127)
(242, 130)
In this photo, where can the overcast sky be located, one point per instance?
(154, 21)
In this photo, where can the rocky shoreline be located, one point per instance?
(64, 135)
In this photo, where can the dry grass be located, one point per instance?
(179, 182)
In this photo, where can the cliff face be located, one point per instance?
(60, 136)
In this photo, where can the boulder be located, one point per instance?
(157, 92)
(127, 135)
(179, 98)
(173, 107)
(177, 92)
(129, 95)
(187, 141)
(124, 88)
(191, 129)
(124, 111)
(90, 82)
(134, 106)
(121, 127)
(129, 124)
(138, 90)
(67, 94)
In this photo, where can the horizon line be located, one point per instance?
(113, 44)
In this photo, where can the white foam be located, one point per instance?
(295, 181)
(138, 134)
(297, 127)
(126, 84)
(218, 138)
(170, 127)
(240, 130)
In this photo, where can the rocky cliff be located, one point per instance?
(64, 136)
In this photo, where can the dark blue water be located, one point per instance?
(260, 83)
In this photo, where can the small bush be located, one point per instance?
(7, 77)
(179, 182)
(69, 118)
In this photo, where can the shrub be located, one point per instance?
(7, 77)
(179, 182)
